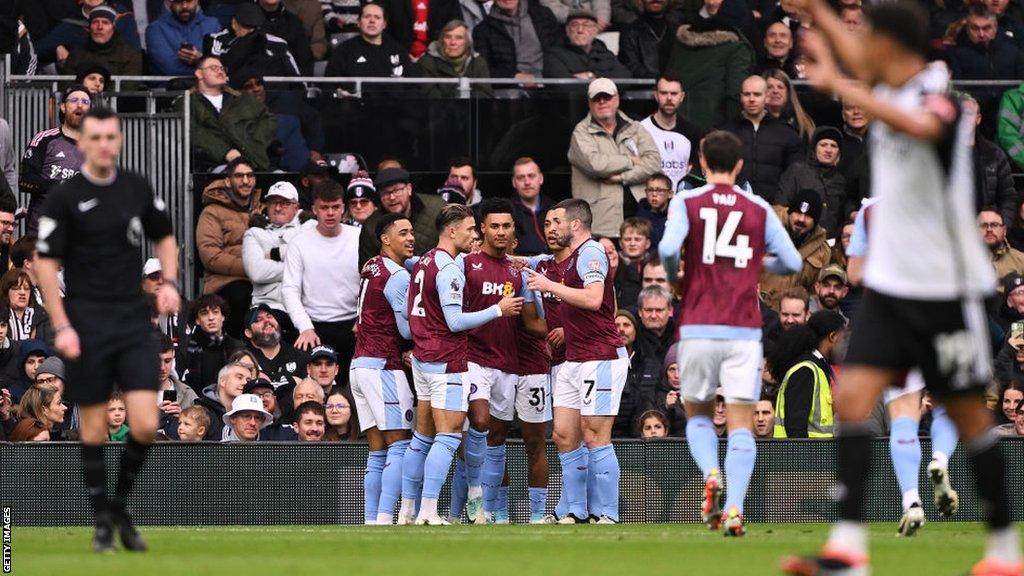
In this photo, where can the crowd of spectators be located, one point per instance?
(262, 351)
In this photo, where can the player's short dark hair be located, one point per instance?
(495, 206)
(460, 161)
(904, 21)
(451, 214)
(166, 344)
(662, 177)
(388, 220)
(721, 150)
(207, 301)
(576, 209)
(328, 191)
(24, 248)
(310, 406)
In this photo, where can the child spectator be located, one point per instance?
(653, 424)
(116, 412)
(653, 207)
(634, 242)
(193, 424)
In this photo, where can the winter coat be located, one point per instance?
(997, 60)
(219, 232)
(1010, 130)
(206, 356)
(650, 345)
(711, 60)
(357, 57)
(767, 152)
(73, 31)
(22, 383)
(209, 400)
(530, 226)
(435, 64)
(423, 211)
(676, 414)
(657, 220)
(566, 60)
(401, 19)
(994, 179)
(638, 394)
(165, 37)
(263, 252)
(596, 155)
(312, 20)
(642, 49)
(827, 181)
(815, 253)
(244, 123)
(119, 57)
(1006, 260)
(494, 42)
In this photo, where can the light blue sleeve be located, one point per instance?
(527, 294)
(859, 238)
(592, 264)
(396, 291)
(534, 261)
(787, 258)
(450, 283)
(677, 226)
(410, 262)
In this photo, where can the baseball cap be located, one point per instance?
(254, 313)
(580, 13)
(323, 351)
(152, 266)
(103, 11)
(284, 190)
(452, 192)
(1011, 282)
(389, 176)
(256, 384)
(360, 186)
(249, 15)
(808, 202)
(832, 270)
(602, 86)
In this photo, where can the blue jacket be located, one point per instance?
(165, 36)
(73, 32)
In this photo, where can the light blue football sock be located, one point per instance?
(491, 476)
(439, 461)
(562, 506)
(606, 479)
(460, 488)
(574, 474)
(703, 442)
(502, 508)
(593, 494)
(412, 465)
(372, 482)
(538, 502)
(391, 478)
(740, 455)
(943, 431)
(473, 450)
(905, 449)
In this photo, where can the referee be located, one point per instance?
(93, 224)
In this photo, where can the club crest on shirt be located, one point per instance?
(594, 265)
(291, 366)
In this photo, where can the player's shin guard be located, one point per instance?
(94, 474)
(371, 484)
(703, 442)
(460, 489)
(132, 459)
(606, 464)
(412, 466)
(739, 466)
(491, 476)
(391, 481)
(944, 435)
(474, 449)
(574, 478)
(905, 450)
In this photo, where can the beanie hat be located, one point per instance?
(808, 202)
(360, 186)
(52, 365)
(452, 192)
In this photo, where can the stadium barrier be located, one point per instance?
(296, 483)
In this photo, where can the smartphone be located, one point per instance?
(1016, 329)
(186, 45)
(170, 395)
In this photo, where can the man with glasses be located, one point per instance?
(394, 186)
(583, 55)
(175, 41)
(7, 210)
(654, 206)
(226, 125)
(1005, 259)
(52, 155)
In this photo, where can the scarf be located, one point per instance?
(458, 64)
(21, 328)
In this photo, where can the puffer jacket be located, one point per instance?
(767, 152)
(244, 123)
(826, 180)
(435, 64)
(816, 254)
(219, 233)
(712, 60)
(263, 252)
(596, 155)
(994, 179)
(1010, 130)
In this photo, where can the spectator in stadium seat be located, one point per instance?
(711, 59)
(676, 137)
(513, 37)
(635, 240)
(641, 380)
(854, 162)
(1010, 399)
(340, 17)
(29, 430)
(666, 395)
(782, 102)
(563, 9)
(1011, 302)
(801, 222)
(653, 207)
(278, 359)
(300, 130)
(8, 161)
(95, 78)
(217, 399)
(360, 199)
(8, 208)
(1008, 370)
(394, 186)
(243, 44)
(779, 51)
(9, 354)
(529, 206)
(265, 245)
(993, 175)
(226, 125)
(31, 354)
(209, 347)
(657, 330)
(764, 418)
(314, 173)
(307, 390)
(26, 318)
(117, 412)
(452, 56)
(342, 420)
(246, 419)
(652, 424)
(184, 396)
(830, 289)
(276, 430)
(193, 424)
(73, 31)
(582, 55)
(1010, 132)
(283, 23)
(414, 25)
(643, 41)
(1015, 428)
(819, 172)
(373, 52)
(312, 20)
(1010, 26)
(175, 327)
(310, 422)
(104, 46)
(174, 42)
(1005, 259)
(462, 170)
(610, 155)
(51, 373)
(45, 404)
(770, 146)
(323, 368)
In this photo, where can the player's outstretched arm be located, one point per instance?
(589, 297)
(677, 226)
(450, 282)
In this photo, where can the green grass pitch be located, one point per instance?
(649, 550)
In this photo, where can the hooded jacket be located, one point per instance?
(815, 253)
(219, 233)
(263, 252)
(495, 42)
(642, 49)
(22, 383)
(435, 64)
(267, 53)
(712, 60)
(243, 123)
(827, 181)
(165, 37)
(209, 400)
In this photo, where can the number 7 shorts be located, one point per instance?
(593, 387)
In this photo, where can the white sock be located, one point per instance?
(475, 492)
(385, 518)
(941, 457)
(848, 535)
(1003, 545)
(911, 497)
(408, 509)
(428, 508)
